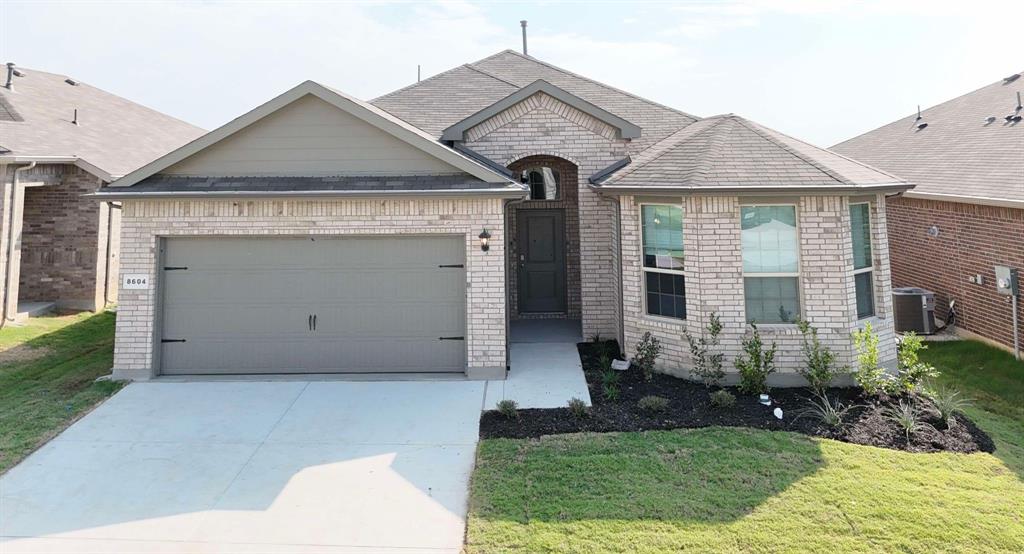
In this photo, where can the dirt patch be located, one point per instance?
(689, 406)
(23, 353)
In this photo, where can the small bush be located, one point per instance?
(653, 404)
(610, 377)
(707, 364)
(722, 399)
(910, 370)
(509, 409)
(819, 361)
(604, 363)
(947, 401)
(595, 338)
(825, 411)
(610, 392)
(755, 364)
(869, 375)
(578, 408)
(647, 352)
(905, 416)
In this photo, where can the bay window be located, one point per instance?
(863, 265)
(661, 228)
(771, 263)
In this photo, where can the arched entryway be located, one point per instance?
(544, 245)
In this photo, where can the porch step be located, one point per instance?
(33, 309)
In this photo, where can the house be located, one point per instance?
(319, 233)
(61, 139)
(966, 214)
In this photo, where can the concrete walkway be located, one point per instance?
(544, 366)
(253, 467)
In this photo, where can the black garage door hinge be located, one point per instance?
(451, 338)
(451, 265)
(172, 340)
(174, 268)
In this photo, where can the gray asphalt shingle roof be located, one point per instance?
(114, 135)
(447, 98)
(959, 153)
(728, 151)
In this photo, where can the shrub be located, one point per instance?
(647, 351)
(653, 404)
(610, 392)
(707, 365)
(825, 411)
(910, 370)
(722, 399)
(905, 416)
(605, 362)
(509, 409)
(947, 401)
(595, 338)
(819, 361)
(869, 375)
(609, 377)
(578, 408)
(755, 364)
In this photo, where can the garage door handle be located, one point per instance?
(314, 322)
(451, 338)
(309, 322)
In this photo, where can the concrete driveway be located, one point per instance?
(253, 467)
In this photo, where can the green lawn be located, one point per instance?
(47, 378)
(741, 490)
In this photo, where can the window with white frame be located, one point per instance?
(661, 227)
(771, 263)
(543, 182)
(863, 265)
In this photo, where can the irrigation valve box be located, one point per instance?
(1007, 282)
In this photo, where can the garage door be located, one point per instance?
(313, 305)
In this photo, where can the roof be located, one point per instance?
(445, 99)
(730, 153)
(366, 112)
(960, 155)
(114, 135)
(171, 186)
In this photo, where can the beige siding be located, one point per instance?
(309, 138)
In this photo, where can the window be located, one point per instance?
(863, 266)
(543, 182)
(771, 264)
(661, 227)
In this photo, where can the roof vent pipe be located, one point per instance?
(523, 24)
(10, 76)
(75, 120)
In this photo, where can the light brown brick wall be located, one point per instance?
(714, 281)
(972, 240)
(144, 222)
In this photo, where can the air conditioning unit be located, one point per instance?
(914, 309)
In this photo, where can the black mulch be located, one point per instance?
(690, 407)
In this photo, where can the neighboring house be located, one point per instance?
(319, 233)
(966, 214)
(61, 139)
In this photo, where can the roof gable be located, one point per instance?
(624, 129)
(356, 109)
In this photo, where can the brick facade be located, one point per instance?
(144, 222)
(567, 203)
(972, 239)
(714, 281)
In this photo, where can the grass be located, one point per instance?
(47, 378)
(743, 490)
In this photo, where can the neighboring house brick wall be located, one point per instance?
(60, 242)
(542, 125)
(145, 221)
(714, 282)
(972, 240)
(568, 175)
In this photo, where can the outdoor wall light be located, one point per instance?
(485, 241)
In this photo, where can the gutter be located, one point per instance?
(963, 199)
(776, 190)
(4, 314)
(506, 192)
(74, 160)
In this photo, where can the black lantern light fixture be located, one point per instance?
(485, 240)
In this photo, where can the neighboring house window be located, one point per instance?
(543, 182)
(771, 263)
(662, 244)
(863, 267)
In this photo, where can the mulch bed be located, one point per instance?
(690, 407)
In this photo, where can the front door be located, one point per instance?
(541, 260)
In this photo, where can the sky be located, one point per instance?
(820, 70)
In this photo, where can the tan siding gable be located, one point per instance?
(310, 137)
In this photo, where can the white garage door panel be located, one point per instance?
(243, 305)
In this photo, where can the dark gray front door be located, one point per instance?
(541, 261)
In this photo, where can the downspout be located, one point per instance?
(106, 271)
(4, 316)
